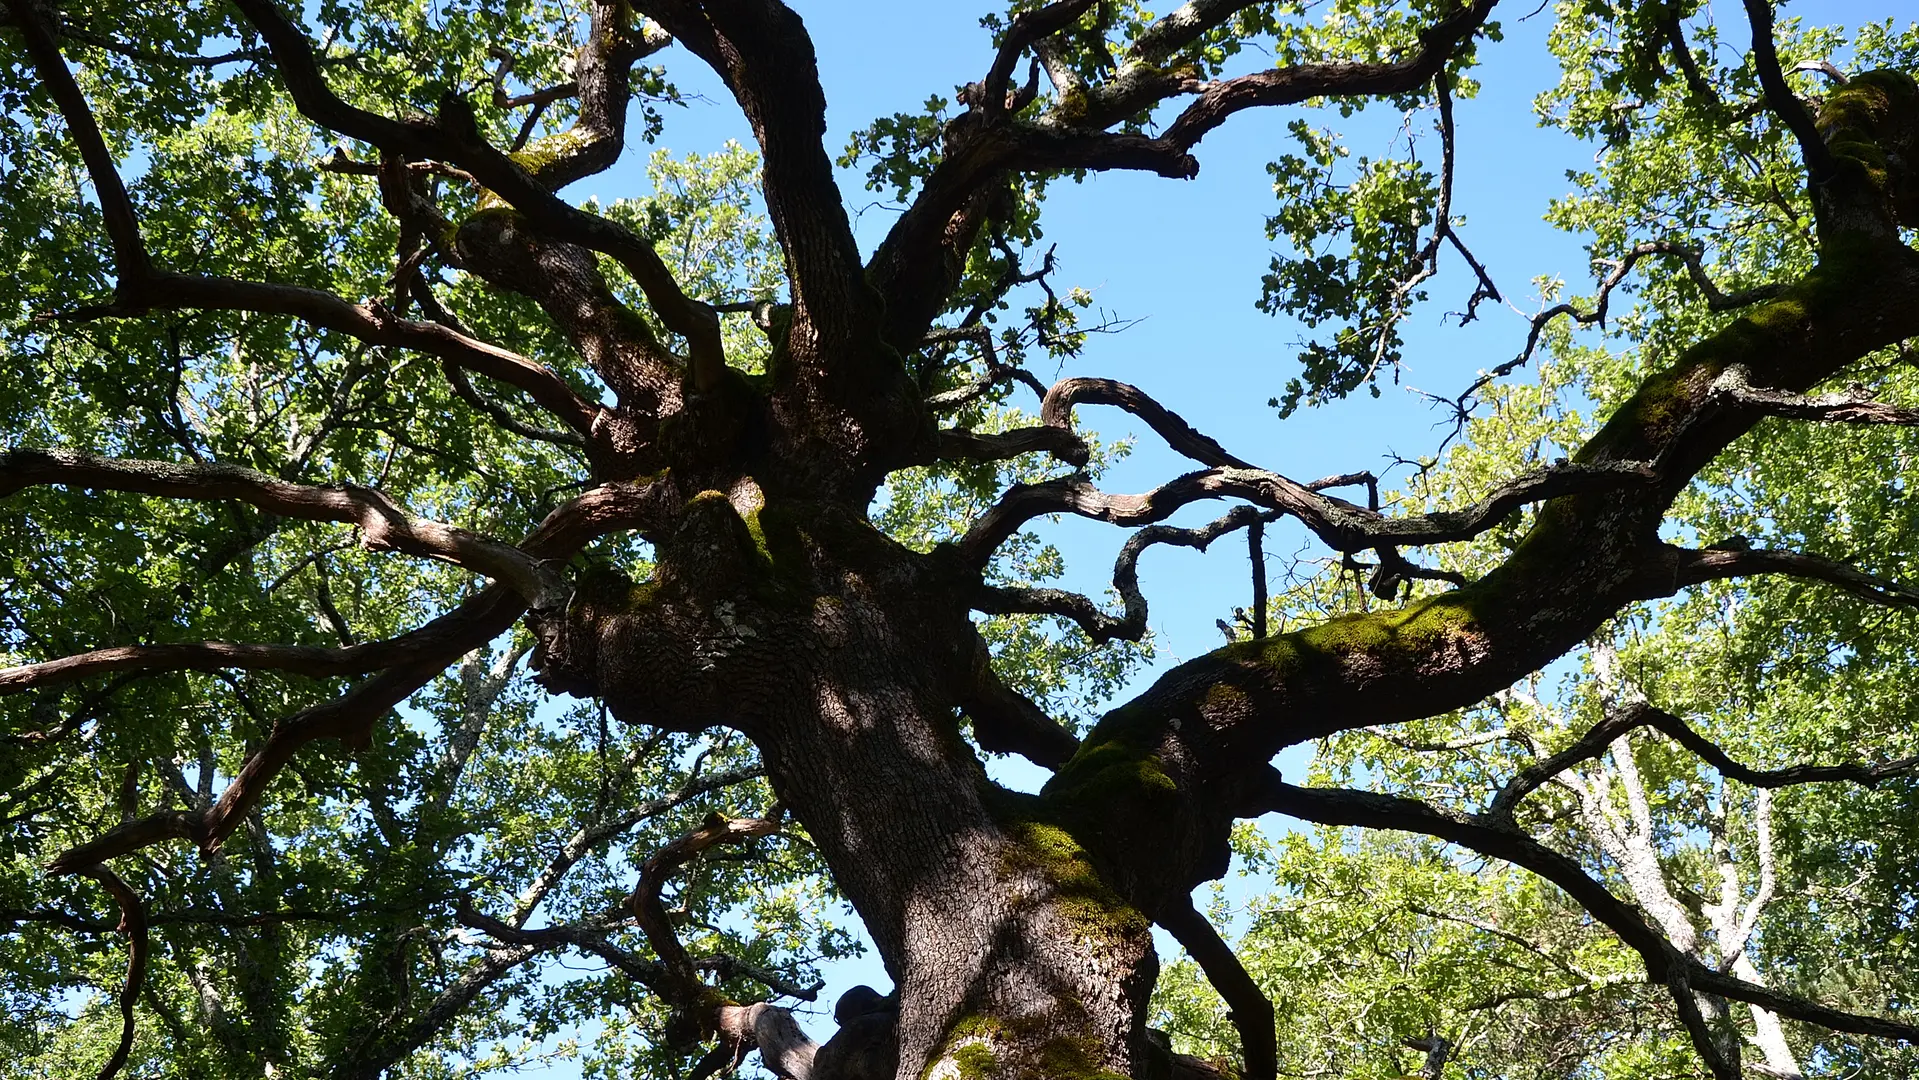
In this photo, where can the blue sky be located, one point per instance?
(1184, 258)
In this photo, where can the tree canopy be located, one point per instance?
(452, 620)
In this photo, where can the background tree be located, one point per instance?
(748, 492)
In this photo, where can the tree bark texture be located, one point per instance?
(1016, 927)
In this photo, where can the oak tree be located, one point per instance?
(760, 501)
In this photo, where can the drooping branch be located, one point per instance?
(1600, 737)
(1693, 567)
(456, 377)
(1641, 713)
(133, 923)
(1664, 963)
(384, 525)
(350, 718)
(1056, 410)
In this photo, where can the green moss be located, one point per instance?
(549, 150)
(1078, 889)
(976, 1061)
(1867, 127)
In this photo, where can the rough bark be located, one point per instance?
(1016, 928)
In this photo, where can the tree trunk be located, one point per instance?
(843, 657)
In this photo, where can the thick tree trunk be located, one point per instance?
(843, 656)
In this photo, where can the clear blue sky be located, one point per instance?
(1185, 258)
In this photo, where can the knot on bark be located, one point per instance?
(566, 644)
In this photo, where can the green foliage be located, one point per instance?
(1364, 940)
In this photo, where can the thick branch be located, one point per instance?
(763, 52)
(958, 445)
(1250, 1008)
(1182, 26)
(920, 261)
(1849, 407)
(681, 983)
(1779, 96)
(1006, 721)
(123, 225)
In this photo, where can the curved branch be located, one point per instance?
(1711, 564)
(1056, 410)
(1006, 721)
(681, 982)
(383, 524)
(454, 140)
(1025, 31)
(1664, 963)
(1339, 524)
(1292, 85)
(133, 923)
(762, 51)
(1780, 98)
(123, 224)
(1640, 713)
(591, 836)
(1098, 625)
(350, 718)
(919, 262)
(648, 973)
(1716, 300)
